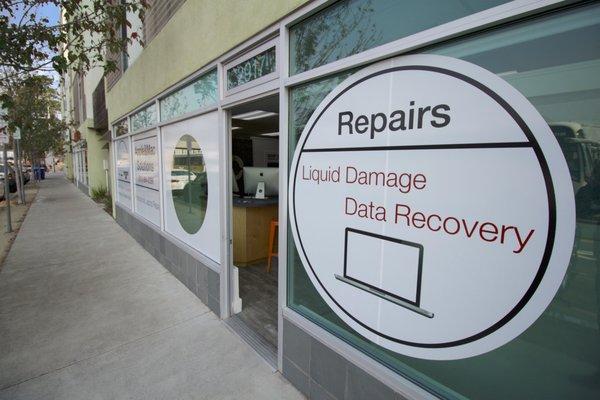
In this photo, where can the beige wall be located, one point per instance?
(199, 32)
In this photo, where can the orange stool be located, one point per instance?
(273, 227)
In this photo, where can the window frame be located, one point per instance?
(260, 48)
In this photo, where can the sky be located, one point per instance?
(52, 13)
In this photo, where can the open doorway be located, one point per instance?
(254, 215)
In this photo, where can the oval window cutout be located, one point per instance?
(189, 184)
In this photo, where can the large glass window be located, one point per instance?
(197, 95)
(146, 175)
(351, 26)
(554, 61)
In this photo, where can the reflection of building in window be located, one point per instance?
(189, 184)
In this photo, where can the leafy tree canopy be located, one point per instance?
(34, 107)
(88, 32)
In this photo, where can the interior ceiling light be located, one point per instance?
(255, 115)
(270, 134)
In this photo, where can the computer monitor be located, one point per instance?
(254, 175)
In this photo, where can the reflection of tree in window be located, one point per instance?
(199, 94)
(325, 38)
(144, 118)
(189, 184)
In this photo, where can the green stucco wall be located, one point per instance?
(68, 165)
(96, 153)
(199, 32)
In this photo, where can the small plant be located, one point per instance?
(101, 195)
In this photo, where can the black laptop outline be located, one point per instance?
(411, 305)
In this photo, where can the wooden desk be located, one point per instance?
(251, 219)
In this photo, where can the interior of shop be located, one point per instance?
(255, 188)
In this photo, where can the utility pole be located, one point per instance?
(4, 140)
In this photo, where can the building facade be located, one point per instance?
(84, 109)
(427, 169)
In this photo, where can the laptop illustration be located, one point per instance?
(386, 267)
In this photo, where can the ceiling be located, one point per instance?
(257, 126)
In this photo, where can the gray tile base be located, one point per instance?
(197, 277)
(320, 373)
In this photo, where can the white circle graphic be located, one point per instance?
(432, 207)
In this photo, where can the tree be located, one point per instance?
(89, 32)
(34, 107)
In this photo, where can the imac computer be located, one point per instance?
(254, 176)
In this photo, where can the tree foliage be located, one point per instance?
(34, 107)
(88, 32)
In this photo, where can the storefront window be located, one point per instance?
(351, 26)
(146, 175)
(144, 118)
(189, 185)
(555, 62)
(260, 65)
(197, 95)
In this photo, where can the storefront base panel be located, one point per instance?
(319, 372)
(83, 187)
(197, 277)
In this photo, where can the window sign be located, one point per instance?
(258, 66)
(147, 186)
(414, 256)
(195, 96)
(123, 170)
(121, 128)
(144, 118)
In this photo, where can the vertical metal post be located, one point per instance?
(20, 169)
(17, 172)
(6, 190)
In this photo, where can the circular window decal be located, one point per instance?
(432, 207)
(189, 184)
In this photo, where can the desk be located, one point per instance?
(251, 219)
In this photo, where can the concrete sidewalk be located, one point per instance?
(86, 313)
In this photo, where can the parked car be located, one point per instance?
(180, 178)
(567, 130)
(578, 155)
(11, 176)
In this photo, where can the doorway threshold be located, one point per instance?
(262, 346)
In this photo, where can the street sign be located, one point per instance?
(17, 134)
